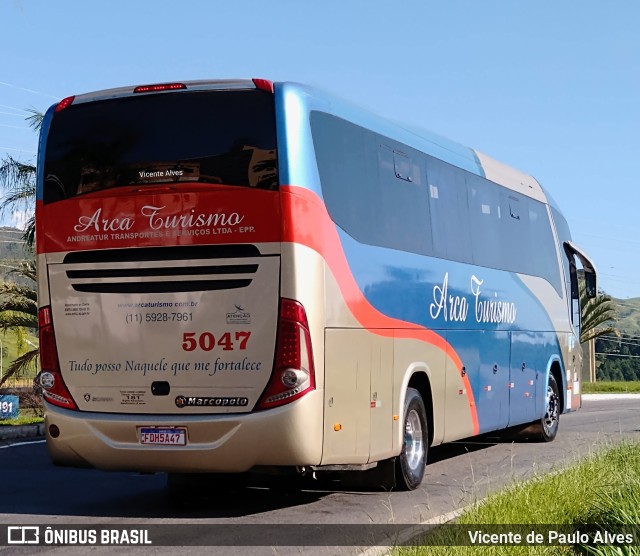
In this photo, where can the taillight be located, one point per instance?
(293, 374)
(263, 85)
(159, 87)
(53, 387)
(64, 103)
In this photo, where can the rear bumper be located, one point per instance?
(288, 435)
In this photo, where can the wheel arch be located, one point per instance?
(418, 379)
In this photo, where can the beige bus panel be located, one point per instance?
(85, 341)
(409, 356)
(289, 435)
(358, 396)
(381, 399)
(43, 281)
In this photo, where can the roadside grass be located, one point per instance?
(620, 387)
(602, 491)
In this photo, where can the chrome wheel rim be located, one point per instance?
(413, 440)
(551, 415)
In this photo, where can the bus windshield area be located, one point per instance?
(215, 137)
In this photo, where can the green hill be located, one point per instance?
(628, 315)
(12, 250)
(11, 244)
(618, 359)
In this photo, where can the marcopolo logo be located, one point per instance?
(89, 398)
(239, 316)
(201, 401)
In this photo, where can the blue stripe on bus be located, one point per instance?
(422, 290)
(403, 285)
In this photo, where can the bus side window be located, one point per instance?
(449, 211)
(404, 200)
(485, 218)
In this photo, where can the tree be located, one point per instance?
(18, 180)
(18, 313)
(598, 315)
(18, 299)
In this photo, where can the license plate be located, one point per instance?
(167, 436)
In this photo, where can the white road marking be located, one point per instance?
(602, 397)
(22, 444)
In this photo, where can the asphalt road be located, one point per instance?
(33, 491)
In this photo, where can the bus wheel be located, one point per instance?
(546, 429)
(551, 420)
(410, 464)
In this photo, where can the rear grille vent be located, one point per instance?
(172, 271)
(187, 252)
(161, 287)
(162, 269)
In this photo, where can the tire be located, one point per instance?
(551, 421)
(410, 464)
(546, 429)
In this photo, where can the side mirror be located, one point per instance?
(590, 283)
(590, 274)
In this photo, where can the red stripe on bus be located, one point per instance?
(306, 221)
(191, 214)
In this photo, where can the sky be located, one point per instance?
(551, 88)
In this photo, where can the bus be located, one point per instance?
(241, 276)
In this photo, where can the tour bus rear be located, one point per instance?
(163, 334)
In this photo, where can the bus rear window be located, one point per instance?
(215, 137)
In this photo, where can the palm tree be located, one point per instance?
(18, 180)
(18, 299)
(598, 315)
(18, 313)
